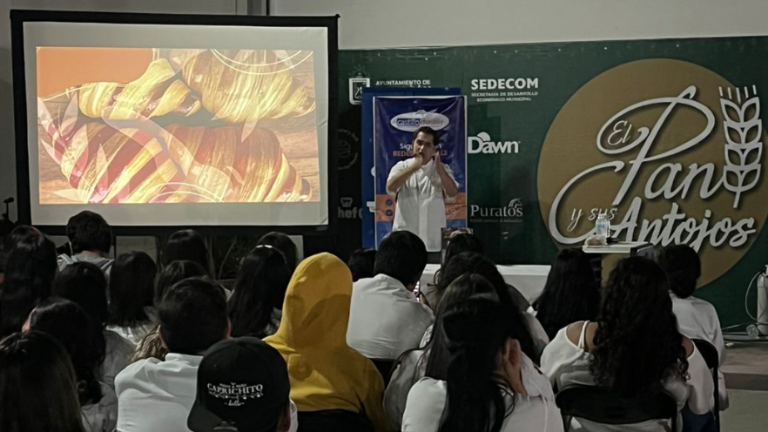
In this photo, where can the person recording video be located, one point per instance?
(420, 185)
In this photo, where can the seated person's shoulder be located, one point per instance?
(573, 332)
(704, 306)
(688, 345)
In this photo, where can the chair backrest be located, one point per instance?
(709, 352)
(602, 406)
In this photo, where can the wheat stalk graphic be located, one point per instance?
(743, 134)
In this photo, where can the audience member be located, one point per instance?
(571, 293)
(262, 405)
(385, 317)
(157, 395)
(361, 264)
(460, 243)
(256, 305)
(470, 262)
(85, 284)
(90, 238)
(188, 245)
(175, 272)
(334, 387)
(37, 386)
(66, 322)
(696, 318)
(151, 346)
(486, 383)
(411, 366)
(9, 243)
(131, 296)
(633, 349)
(28, 276)
(284, 244)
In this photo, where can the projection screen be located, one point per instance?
(153, 124)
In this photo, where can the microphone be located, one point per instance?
(9, 200)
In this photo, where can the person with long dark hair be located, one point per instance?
(132, 295)
(188, 245)
(284, 244)
(411, 366)
(634, 348)
(68, 323)
(572, 293)
(256, 304)
(458, 243)
(28, 277)
(361, 263)
(85, 284)
(9, 243)
(37, 386)
(487, 383)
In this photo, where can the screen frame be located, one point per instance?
(20, 17)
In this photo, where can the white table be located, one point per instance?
(627, 248)
(528, 279)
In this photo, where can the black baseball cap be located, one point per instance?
(242, 386)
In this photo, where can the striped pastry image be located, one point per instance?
(184, 129)
(105, 165)
(247, 87)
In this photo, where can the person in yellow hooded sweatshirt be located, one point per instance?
(332, 385)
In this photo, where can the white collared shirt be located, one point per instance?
(156, 395)
(420, 202)
(385, 319)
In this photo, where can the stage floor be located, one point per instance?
(746, 366)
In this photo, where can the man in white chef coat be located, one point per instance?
(420, 185)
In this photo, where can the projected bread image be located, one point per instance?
(189, 126)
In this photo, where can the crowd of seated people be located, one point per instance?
(91, 344)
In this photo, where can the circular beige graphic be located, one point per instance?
(671, 151)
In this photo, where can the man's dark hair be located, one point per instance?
(88, 231)
(429, 131)
(683, 268)
(403, 256)
(193, 316)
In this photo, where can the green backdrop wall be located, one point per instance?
(669, 132)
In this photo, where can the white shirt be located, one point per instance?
(156, 395)
(101, 416)
(119, 350)
(420, 203)
(566, 363)
(537, 412)
(698, 319)
(385, 319)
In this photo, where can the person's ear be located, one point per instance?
(284, 424)
(162, 338)
(228, 332)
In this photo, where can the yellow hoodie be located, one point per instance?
(325, 373)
